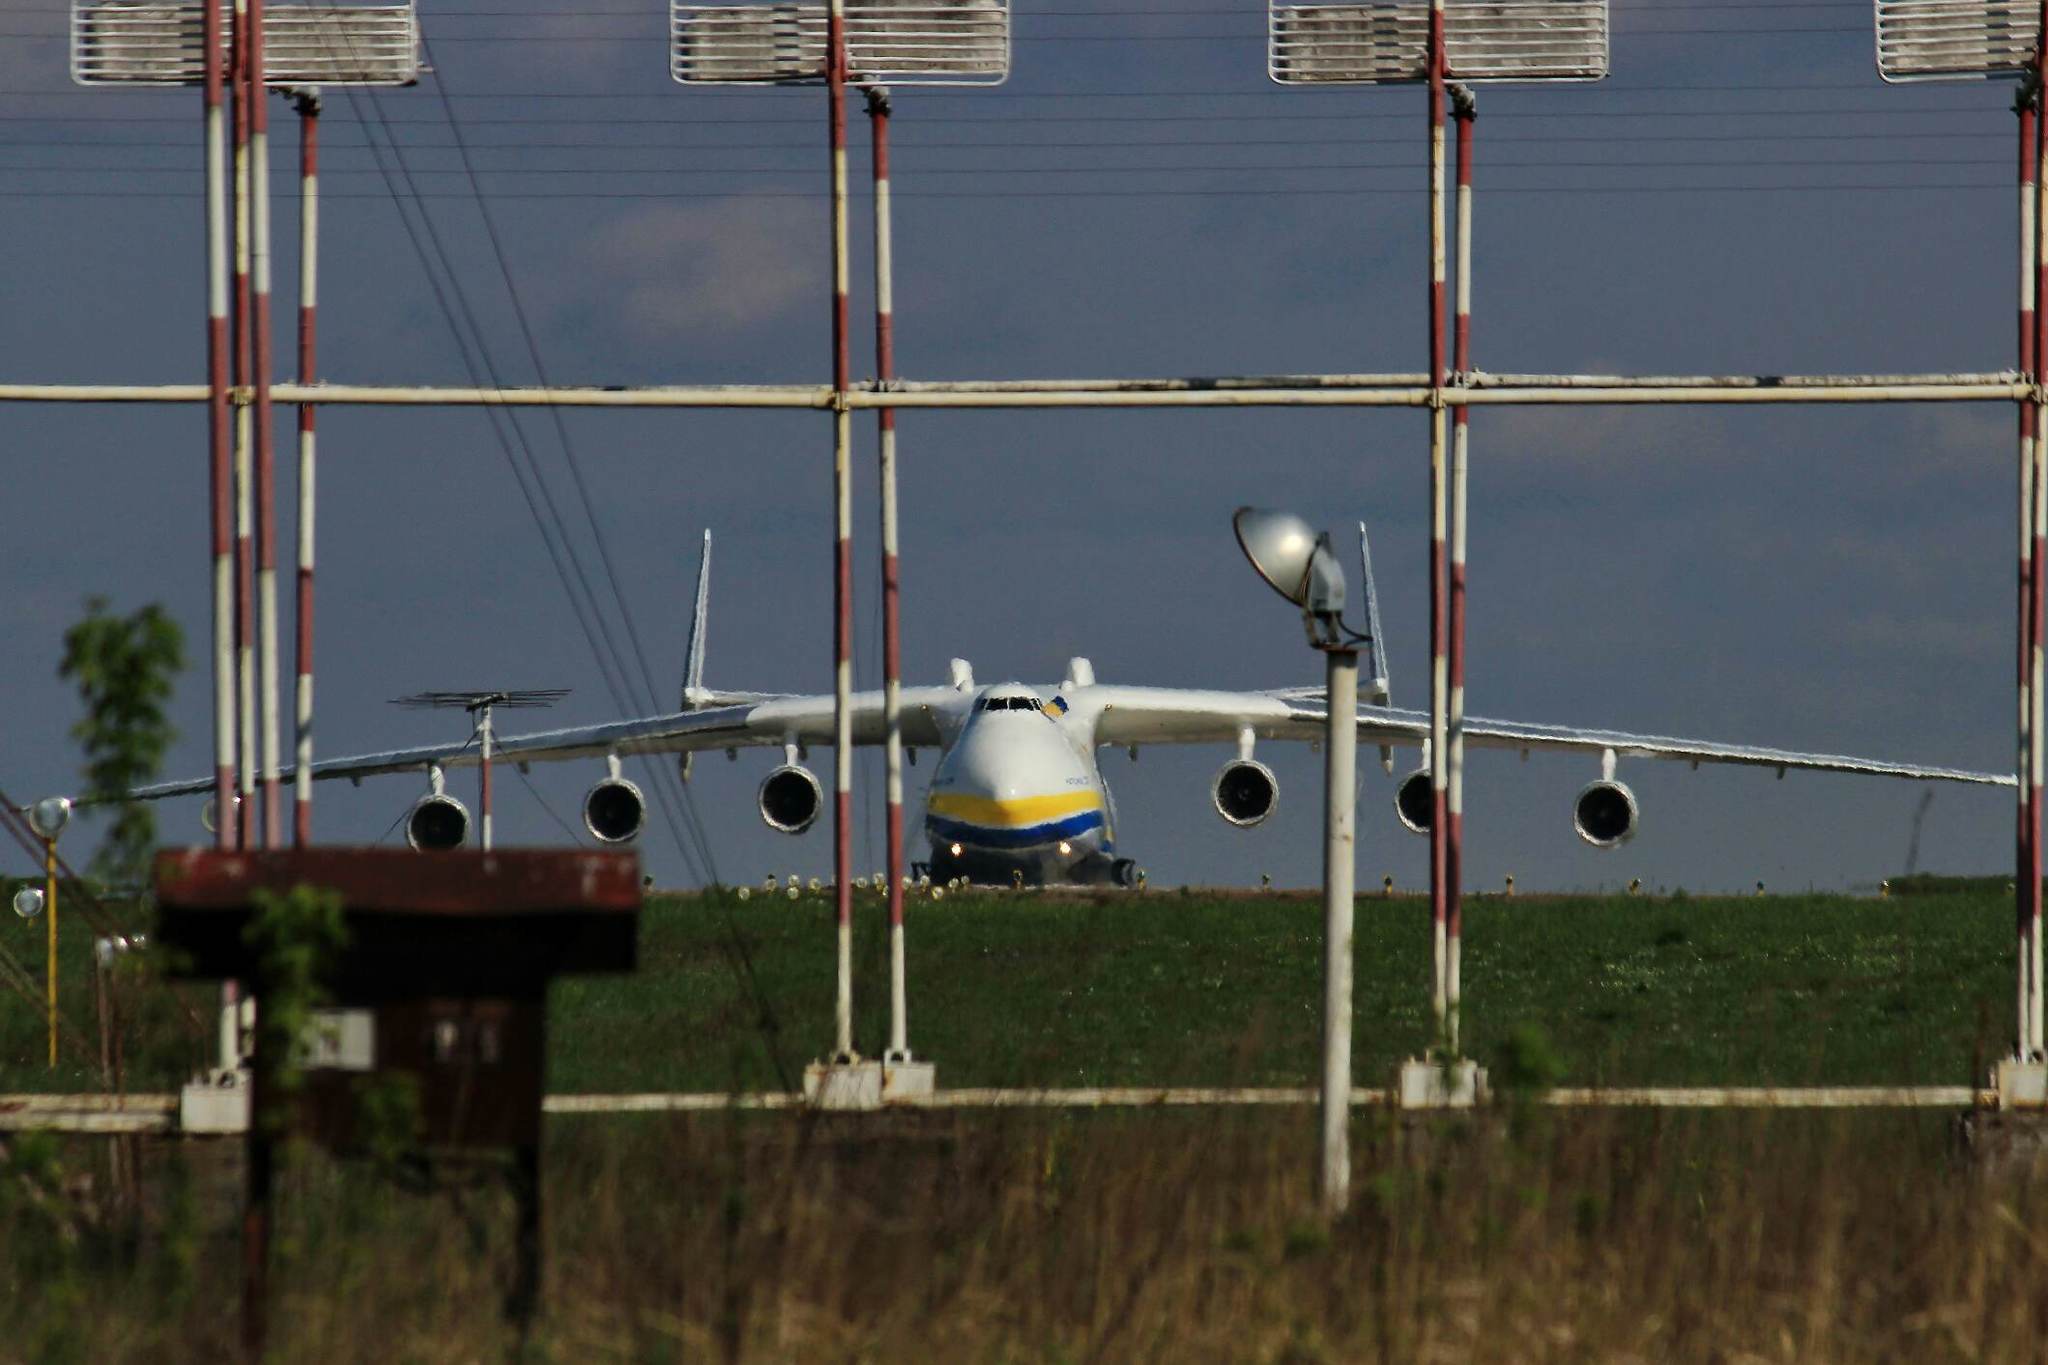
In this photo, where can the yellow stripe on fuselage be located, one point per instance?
(1015, 813)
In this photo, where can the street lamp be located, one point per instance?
(1296, 561)
(48, 818)
(1434, 43)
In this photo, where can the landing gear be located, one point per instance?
(1125, 872)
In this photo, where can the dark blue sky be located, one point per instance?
(1137, 200)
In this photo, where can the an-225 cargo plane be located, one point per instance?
(1017, 789)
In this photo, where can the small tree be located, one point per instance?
(125, 668)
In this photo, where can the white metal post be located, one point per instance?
(1463, 111)
(245, 93)
(220, 425)
(842, 566)
(892, 655)
(308, 105)
(1340, 796)
(265, 432)
(1439, 663)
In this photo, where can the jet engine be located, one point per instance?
(1413, 801)
(1245, 792)
(614, 810)
(437, 823)
(1605, 813)
(790, 799)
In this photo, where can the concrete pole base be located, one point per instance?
(2021, 1085)
(1440, 1085)
(867, 1085)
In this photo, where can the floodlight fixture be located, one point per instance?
(28, 902)
(935, 42)
(303, 45)
(1297, 562)
(50, 815)
(1955, 40)
(1485, 41)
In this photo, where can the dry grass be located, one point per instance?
(1528, 1236)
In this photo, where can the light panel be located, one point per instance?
(1955, 40)
(952, 42)
(159, 44)
(1485, 41)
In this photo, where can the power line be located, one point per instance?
(660, 782)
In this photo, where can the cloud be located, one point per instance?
(674, 272)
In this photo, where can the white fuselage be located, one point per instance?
(1017, 794)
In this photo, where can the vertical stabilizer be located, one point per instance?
(693, 660)
(693, 657)
(1379, 691)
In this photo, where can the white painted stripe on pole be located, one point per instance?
(1464, 250)
(885, 289)
(216, 212)
(224, 664)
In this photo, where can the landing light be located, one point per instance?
(1065, 848)
(956, 850)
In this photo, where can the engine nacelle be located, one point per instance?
(437, 823)
(1414, 803)
(614, 810)
(790, 799)
(1605, 814)
(1245, 792)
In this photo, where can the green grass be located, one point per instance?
(1166, 988)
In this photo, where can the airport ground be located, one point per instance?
(1524, 1235)
(1166, 988)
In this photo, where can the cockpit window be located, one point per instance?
(1009, 704)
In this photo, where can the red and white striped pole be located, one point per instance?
(1439, 664)
(842, 564)
(2036, 582)
(219, 426)
(266, 453)
(1464, 110)
(2027, 109)
(245, 565)
(892, 652)
(308, 105)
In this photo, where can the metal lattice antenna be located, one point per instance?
(476, 701)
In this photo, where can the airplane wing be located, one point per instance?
(752, 720)
(1157, 715)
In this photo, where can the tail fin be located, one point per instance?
(1381, 694)
(1379, 688)
(693, 660)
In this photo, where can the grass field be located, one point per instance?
(1520, 1235)
(1166, 988)
(1142, 1236)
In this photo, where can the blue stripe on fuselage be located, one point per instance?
(982, 836)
